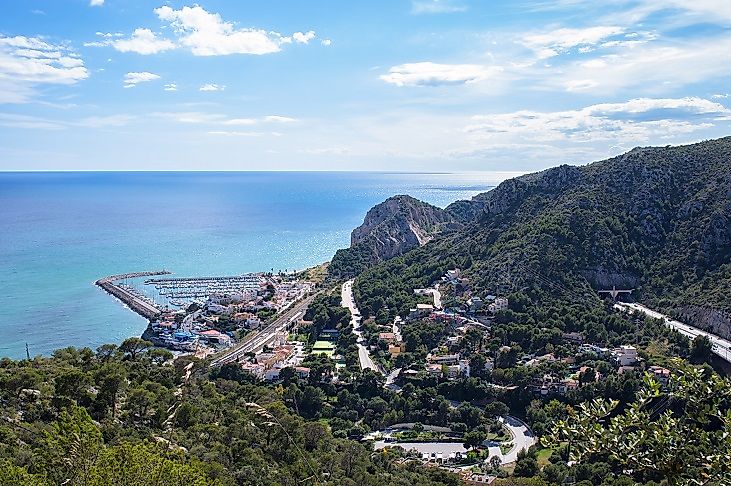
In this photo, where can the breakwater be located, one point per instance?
(127, 295)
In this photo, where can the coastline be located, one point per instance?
(187, 338)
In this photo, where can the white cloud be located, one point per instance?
(326, 42)
(109, 35)
(643, 105)
(143, 41)
(192, 117)
(279, 119)
(171, 87)
(133, 79)
(207, 34)
(211, 87)
(433, 74)
(436, 6)
(96, 3)
(36, 123)
(635, 120)
(28, 122)
(237, 134)
(198, 117)
(27, 62)
(549, 44)
(303, 37)
(328, 151)
(240, 121)
(653, 67)
(681, 12)
(721, 96)
(106, 121)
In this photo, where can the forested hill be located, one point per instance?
(655, 219)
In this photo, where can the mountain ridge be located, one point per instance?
(655, 219)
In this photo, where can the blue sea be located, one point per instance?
(59, 232)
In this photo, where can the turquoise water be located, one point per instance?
(59, 232)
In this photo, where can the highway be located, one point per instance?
(255, 342)
(363, 355)
(721, 347)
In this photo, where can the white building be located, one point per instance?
(625, 355)
(421, 310)
(452, 275)
(272, 374)
(500, 303)
(464, 367)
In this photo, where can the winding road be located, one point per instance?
(363, 355)
(521, 438)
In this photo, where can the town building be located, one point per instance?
(625, 355)
(574, 337)
(387, 337)
(396, 349)
(303, 372)
(421, 310)
(434, 369)
(215, 337)
(593, 348)
(464, 368)
(499, 304)
(452, 275)
(477, 479)
(443, 359)
(662, 375)
(474, 304)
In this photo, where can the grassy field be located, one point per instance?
(323, 347)
(542, 455)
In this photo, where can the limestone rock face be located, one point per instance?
(713, 320)
(399, 224)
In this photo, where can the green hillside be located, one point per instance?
(653, 219)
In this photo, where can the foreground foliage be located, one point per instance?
(118, 417)
(681, 434)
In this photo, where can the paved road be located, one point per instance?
(391, 380)
(348, 301)
(257, 341)
(721, 347)
(521, 437)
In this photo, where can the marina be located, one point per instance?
(212, 312)
(181, 289)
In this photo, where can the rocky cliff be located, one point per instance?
(391, 228)
(712, 320)
(399, 224)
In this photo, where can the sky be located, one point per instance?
(395, 85)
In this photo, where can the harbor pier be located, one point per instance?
(133, 300)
